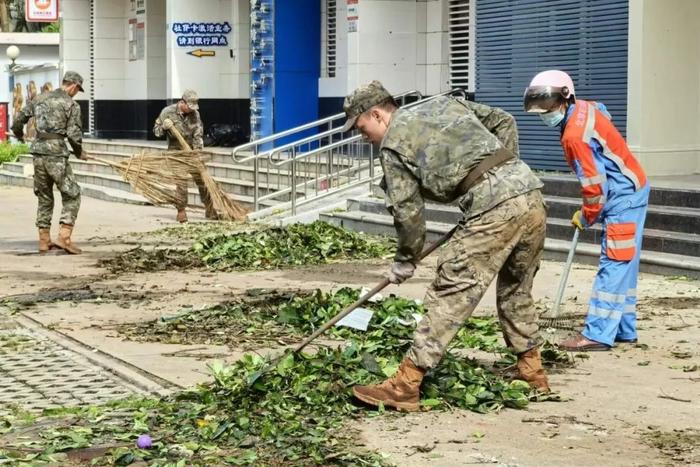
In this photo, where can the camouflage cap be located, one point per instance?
(191, 99)
(74, 77)
(362, 99)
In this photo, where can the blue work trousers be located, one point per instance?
(612, 307)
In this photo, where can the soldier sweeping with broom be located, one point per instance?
(184, 117)
(452, 150)
(57, 118)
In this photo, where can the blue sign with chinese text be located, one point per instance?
(201, 34)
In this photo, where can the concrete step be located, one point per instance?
(555, 249)
(660, 240)
(14, 179)
(668, 218)
(125, 148)
(663, 241)
(233, 187)
(15, 167)
(110, 193)
(568, 186)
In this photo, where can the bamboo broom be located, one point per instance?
(227, 208)
(152, 175)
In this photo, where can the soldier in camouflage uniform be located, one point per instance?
(184, 116)
(57, 117)
(448, 150)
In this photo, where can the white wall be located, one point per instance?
(222, 76)
(338, 85)
(75, 40)
(403, 43)
(433, 47)
(111, 53)
(663, 127)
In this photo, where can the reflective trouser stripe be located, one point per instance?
(609, 297)
(620, 244)
(603, 313)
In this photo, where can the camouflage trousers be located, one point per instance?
(50, 171)
(505, 242)
(203, 194)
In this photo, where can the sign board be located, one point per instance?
(353, 15)
(41, 10)
(201, 34)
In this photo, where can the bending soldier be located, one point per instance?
(184, 116)
(448, 150)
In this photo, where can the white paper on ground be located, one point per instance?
(377, 298)
(358, 319)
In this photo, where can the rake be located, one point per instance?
(349, 309)
(552, 318)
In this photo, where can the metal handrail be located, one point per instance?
(308, 139)
(354, 138)
(338, 165)
(306, 126)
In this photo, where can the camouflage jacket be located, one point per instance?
(430, 148)
(189, 125)
(54, 112)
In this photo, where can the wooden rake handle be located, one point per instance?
(362, 300)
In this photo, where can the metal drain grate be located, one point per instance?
(37, 373)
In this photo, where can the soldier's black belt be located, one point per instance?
(42, 135)
(500, 157)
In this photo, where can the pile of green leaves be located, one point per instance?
(9, 152)
(261, 318)
(293, 414)
(269, 248)
(293, 245)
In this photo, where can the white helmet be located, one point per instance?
(548, 90)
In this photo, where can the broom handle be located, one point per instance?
(565, 274)
(371, 293)
(183, 144)
(104, 161)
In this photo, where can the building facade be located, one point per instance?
(269, 65)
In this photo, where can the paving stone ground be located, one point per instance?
(37, 373)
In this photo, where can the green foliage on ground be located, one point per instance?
(295, 413)
(9, 152)
(268, 248)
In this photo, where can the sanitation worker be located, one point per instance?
(615, 193)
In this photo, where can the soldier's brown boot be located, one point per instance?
(181, 216)
(65, 242)
(401, 391)
(530, 369)
(44, 241)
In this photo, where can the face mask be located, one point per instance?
(553, 118)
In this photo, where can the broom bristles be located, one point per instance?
(157, 175)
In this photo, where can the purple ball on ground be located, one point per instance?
(144, 442)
